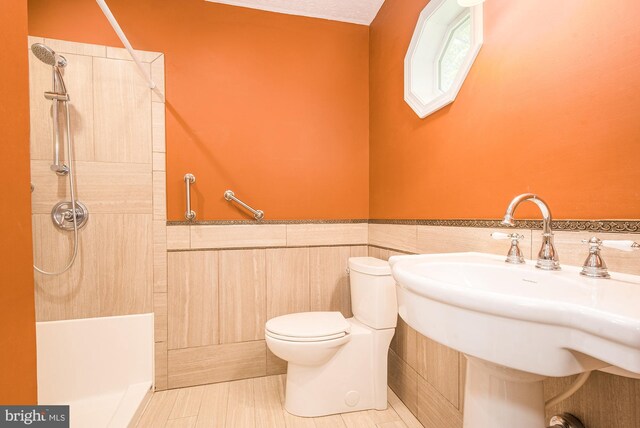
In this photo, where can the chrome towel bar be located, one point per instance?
(230, 196)
(189, 179)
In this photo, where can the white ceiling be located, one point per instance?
(354, 11)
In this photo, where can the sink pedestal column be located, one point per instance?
(499, 397)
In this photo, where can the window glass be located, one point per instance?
(457, 46)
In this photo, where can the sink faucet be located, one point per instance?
(547, 257)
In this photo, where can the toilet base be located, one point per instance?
(354, 379)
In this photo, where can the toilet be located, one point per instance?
(339, 365)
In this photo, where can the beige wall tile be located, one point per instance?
(31, 40)
(440, 366)
(275, 365)
(121, 134)
(161, 366)
(78, 77)
(396, 236)
(434, 410)
(122, 53)
(160, 316)
(571, 250)
(178, 238)
(405, 343)
(159, 195)
(193, 299)
(159, 161)
(238, 236)
(403, 380)
(102, 187)
(65, 47)
(159, 256)
(216, 363)
(329, 280)
(463, 379)
(158, 127)
(327, 234)
(242, 295)
(112, 275)
(287, 281)
(437, 239)
(359, 251)
(157, 75)
(604, 401)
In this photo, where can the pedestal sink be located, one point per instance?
(518, 325)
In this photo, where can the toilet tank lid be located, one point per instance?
(369, 265)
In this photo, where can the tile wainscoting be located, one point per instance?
(225, 281)
(429, 377)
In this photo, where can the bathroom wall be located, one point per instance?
(118, 134)
(550, 106)
(225, 281)
(17, 317)
(272, 106)
(429, 377)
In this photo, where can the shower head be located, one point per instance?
(45, 54)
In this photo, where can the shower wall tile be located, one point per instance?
(31, 40)
(159, 256)
(65, 47)
(161, 365)
(122, 53)
(102, 187)
(79, 82)
(157, 75)
(193, 299)
(243, 302)
(158, 127)
(160, 317)
(112, 274)
(122, 133)
(287, 281)
(159, 195)
(159, 161)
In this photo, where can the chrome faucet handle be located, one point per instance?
(594, 266)
(514, 255)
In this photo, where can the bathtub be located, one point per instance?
(101, 367)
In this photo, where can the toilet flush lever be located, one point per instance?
(594, 265)
(514, 255)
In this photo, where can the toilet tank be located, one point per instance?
(373, 292)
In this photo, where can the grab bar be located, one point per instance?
(189, 179)
(230, 196)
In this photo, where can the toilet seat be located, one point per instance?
(308, 327)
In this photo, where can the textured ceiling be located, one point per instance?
(355, 11)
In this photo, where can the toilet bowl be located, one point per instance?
(338, 365)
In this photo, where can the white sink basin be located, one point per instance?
(518, 324)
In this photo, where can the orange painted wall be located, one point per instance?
(17, 307)
(272, 106)
(551, 105)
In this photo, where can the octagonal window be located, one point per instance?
(444, 46)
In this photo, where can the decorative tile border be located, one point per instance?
(610, 226)
(255, 222)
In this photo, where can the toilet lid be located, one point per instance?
(308, 326)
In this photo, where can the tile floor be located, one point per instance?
(256, 403)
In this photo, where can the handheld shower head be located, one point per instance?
(45, 54)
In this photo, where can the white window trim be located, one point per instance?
(425, 105)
